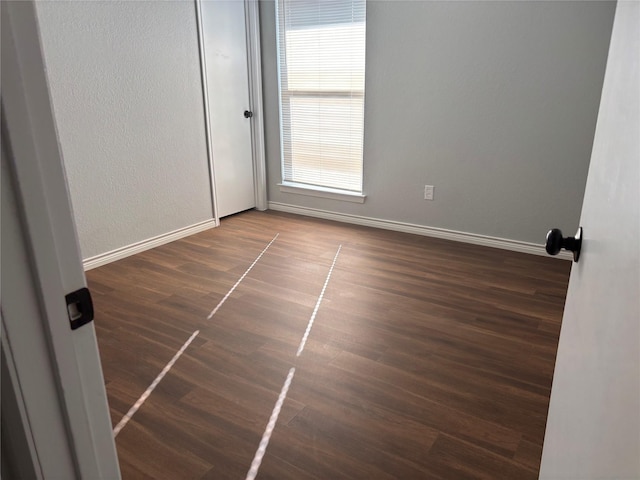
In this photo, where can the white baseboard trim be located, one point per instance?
(120, 253)
(456, 236)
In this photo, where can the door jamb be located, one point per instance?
(38, 176)
(205, 101)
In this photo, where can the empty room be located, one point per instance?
(320, 239)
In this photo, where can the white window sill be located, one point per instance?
(323, 192)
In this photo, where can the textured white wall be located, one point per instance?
(127, 95)
(494, 103)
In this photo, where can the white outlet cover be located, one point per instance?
(428, 192)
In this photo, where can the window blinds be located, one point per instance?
(321, 54)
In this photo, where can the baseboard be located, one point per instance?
(120, 253)
(456, 236)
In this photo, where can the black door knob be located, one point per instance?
(248, 114)
(556, 242)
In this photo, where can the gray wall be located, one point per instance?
(494, 103)
(126, 89)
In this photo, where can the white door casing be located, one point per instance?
(593, 426)
(255, 98)
(223, 30)
(26, 373)
(74, 383)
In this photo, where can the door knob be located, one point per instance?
(248, 114)
(556, 242)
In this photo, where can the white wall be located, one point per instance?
(494, 103)
(127, 95)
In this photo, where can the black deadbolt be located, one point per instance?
(556, 242)
(248, 114)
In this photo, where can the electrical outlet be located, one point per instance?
(428, 192)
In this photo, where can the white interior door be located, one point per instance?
(227, 86)
(593, 428)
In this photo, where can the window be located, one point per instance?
(321, 55)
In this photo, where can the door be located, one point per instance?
(593, 427)
(57, 388)
(224, 40)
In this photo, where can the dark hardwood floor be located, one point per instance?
(427, 358)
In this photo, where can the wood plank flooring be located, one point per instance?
(427, 358)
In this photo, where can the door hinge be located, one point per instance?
(79, 307)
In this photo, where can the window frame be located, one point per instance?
(284, 96)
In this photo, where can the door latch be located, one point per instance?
(79, 307)
(248, 114)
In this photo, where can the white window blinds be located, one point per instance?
(321, 54)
